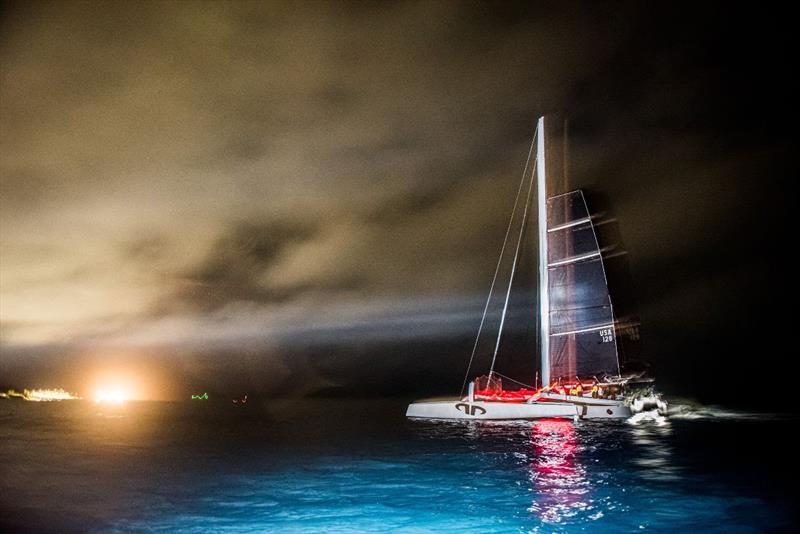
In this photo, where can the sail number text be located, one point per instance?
(606, 335)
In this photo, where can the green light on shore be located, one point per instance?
(204, 396)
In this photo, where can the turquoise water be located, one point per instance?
(345, 466)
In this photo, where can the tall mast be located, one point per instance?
(544, 282)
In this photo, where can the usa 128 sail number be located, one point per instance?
(606, 335)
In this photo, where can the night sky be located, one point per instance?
(293, 199)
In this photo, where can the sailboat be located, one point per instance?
(579, 361)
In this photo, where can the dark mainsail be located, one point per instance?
(581, 325)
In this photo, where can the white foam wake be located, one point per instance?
(647, 416)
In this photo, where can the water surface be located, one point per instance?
(343, 466)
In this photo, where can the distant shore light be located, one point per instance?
(43, 395)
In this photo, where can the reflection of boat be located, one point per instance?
(559, 480)
(577, 338)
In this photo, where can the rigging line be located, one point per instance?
(511, 278)
(515, 381)
(499, 261)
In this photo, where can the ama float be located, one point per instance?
(579, 361)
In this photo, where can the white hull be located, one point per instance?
(572, 407)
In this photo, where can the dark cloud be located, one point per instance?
(236, 268)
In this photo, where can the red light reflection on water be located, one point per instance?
(559, 481)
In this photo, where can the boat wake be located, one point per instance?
(653, 409)
(691, 411)
(684, 409)
(649, 416)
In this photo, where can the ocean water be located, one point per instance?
(360, 466)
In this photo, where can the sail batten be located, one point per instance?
(570, 224)
(575, 259)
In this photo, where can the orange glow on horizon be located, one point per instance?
(111, 396)
(117, 386)
(110, 373)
